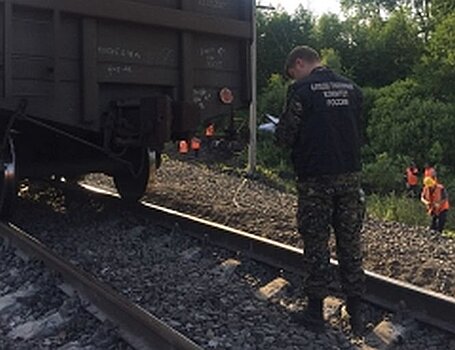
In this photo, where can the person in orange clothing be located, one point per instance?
(210, 134)
(183, 147)
(429, 171)
(196, 146)
(210, 131)
(412, 179)
(436, 199)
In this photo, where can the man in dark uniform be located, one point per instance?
(321, 124)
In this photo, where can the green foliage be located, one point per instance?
(374, 53)
(331, 58)
(403, 209)
(278, 33)
(369, 99)
(450, 234)
(329, 32)
(442, 8)
(402, 122)
(274, 163)
(437, 69)
(272, 156)
(399, 46)
(399, 208)
(384, 174)
(381, 52)
(369, 8)
(272, 98)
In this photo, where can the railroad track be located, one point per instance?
(427, 307)
(138, 327)
(39, 311)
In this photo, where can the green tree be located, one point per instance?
(278, 34)
(422, 11)
(442, 8)
(437, 69)
(400, 48)
(330, 33)
(404, 122)
(272, 98)
(369, 8)
(331, 58)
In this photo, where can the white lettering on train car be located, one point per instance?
(114, 70)
(119, 52)
(213, 56)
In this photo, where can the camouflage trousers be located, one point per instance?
(337, 202)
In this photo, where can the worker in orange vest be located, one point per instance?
(183, 147)
(210, 131)
(412, 179)
(436, 199)
(429, 171)
(196, 146)
(209, 134)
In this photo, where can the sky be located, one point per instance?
(318, 7)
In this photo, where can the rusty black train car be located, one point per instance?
(98, 85)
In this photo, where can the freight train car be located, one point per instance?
(99, 85)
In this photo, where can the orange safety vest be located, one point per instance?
(183, 147)
(411, 175)
(437, 204)
(210, 131)
(195, 144)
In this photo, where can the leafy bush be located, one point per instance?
(437, 68)
(406, 210)
(394, 207)
(273, 161)
(272, 98)
(384, 175)
(272, 157)
(331, 59)
(402, 122)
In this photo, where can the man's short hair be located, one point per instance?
(306, 53)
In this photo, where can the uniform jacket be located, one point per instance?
(412, 174)
(436, 199)
(321, 124)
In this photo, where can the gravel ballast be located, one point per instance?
(36, 314)
(206, 293)
(412, 254)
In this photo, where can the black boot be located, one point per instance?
(354, 308)
(311, 318)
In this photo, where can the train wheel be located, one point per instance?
(7, 181)
(131, 183)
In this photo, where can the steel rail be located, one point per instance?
(426, 306)
(138, 327)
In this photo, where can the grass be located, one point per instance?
(449, 234)
(396, 207)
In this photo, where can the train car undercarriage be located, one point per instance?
(127, 148)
